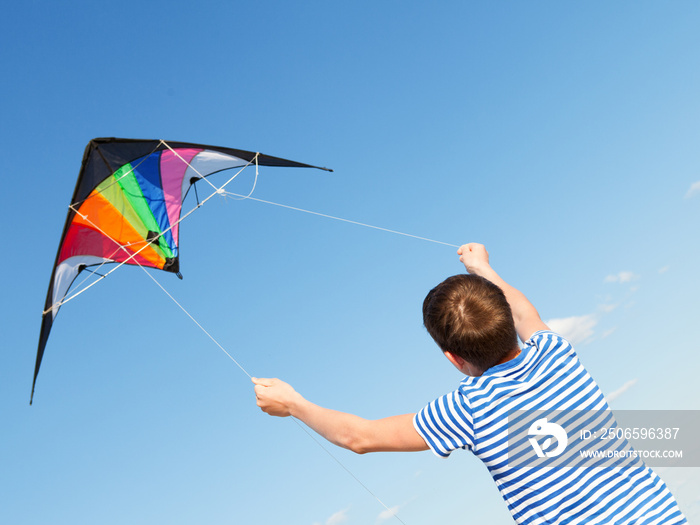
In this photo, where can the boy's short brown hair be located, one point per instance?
(470, 317)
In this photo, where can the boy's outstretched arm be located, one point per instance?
(527, 320)
(391, 434)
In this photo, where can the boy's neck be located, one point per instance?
(475, 372)
(511, 355)
(467, 368)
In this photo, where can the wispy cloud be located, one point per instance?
(387, 514)
(624, 388)
(607, 308)
(575, 329)
(693, 190)
(339, 517)
(621, 277)
(608, 332)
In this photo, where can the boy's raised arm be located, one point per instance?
(527, 320)
(391, 434)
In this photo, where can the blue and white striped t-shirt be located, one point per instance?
(547, 375)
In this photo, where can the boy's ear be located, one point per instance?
(457, 361)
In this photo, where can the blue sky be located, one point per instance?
(564, 137)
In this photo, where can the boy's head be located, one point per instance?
(470, 317)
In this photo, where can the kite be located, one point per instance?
(127, 208)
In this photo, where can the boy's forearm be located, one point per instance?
(524, 312)
(389, 434)
(340, 428)
(360, 435)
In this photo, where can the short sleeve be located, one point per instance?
(547, 341)
(446, 424)
(539, 337)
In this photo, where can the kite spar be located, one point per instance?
(127, 207)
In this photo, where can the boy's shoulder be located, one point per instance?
(549, 334)
(544, 353)
(550, 342)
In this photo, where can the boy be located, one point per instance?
(476, 319)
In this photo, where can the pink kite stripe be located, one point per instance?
(172, 171)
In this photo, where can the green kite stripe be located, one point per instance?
(127, 180)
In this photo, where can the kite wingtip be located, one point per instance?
(31, 396)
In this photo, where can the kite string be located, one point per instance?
(296, 421)
(239, 365)
(341, 219)
(346, 469)
(221, 191)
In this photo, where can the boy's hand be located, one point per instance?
(474, 256)
(275, 397)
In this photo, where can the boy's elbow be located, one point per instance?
(355, 444)
(355, 439)
(359, 450)
(362, 449)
